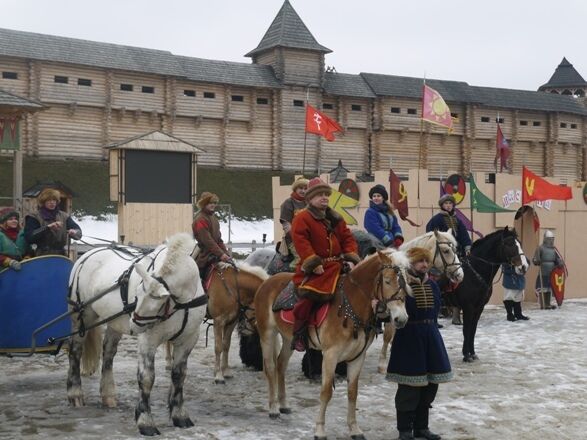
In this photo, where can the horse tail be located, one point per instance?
(91, 352)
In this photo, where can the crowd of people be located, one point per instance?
(46, 231)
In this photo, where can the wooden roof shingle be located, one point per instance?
(15, 102)
(565, 75)
(345, 84)
(288, 30)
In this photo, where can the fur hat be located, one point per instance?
(302, 181)
(316, 186)
(206, 198)
(416, 254)
(9, 212)
(49, 194)
(379, 189)
(446, 198)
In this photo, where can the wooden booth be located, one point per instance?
(153, 179)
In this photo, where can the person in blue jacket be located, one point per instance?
(444, 221)
(418, 360)
(380, 220)
(513, 292)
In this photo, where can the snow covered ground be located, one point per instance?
(530, 383)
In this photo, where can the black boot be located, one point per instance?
(405, 424)
(406, 435)
(509, 306)
(427, 434)
(518, 312)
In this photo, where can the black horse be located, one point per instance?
(487, 255)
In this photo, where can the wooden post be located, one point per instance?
(17, 181)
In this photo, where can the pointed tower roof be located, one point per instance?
(288, 30)
(565, 75)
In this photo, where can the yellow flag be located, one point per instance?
(340, 203)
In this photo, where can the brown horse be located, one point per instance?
(230, 296)
(345, 334)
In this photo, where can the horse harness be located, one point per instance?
(242, 309)
(445, 263)
(346, 311)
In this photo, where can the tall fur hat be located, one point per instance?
(316, 186)
(302, 181)
(49, 194)
(446, 198)
(416, 254)
(9, 212)
(206, 198)
(379, 189)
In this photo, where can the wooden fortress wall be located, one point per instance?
(260, 128)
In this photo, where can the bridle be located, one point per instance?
(446, 265)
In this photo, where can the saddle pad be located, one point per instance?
(208, 278)
(316, 319)
(286, 299)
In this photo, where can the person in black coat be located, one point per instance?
(418, 360)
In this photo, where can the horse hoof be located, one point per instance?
(474, 357)
(182, 422)
(76, 402)
(320, 438)
(109, 402)
(468, 359)
(273, 416)
(382, 370)
(219, 381)
(358, 437)
(285, 410)
(149, 431)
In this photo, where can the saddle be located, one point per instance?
(286, 300)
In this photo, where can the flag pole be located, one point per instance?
(305, 132)
(421, 129)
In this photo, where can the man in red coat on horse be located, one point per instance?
(324, 242)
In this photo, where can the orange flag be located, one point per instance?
(434, 109)
(536, 188)
(320, 124)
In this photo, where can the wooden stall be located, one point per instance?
(153, 180)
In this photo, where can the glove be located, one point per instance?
(398, 241)
(467, 250)
(14, 265)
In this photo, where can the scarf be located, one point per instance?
(49, 215)
(294, 195)
(11, 233)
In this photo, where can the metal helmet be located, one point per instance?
(548, 234)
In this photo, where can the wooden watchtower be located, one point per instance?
(153, 179)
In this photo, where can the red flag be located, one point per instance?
(536, 188)
(320, 124)
(502, 150)
(399, 197)
(434, 109)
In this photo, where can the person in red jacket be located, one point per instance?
(324, 242)
(206, 228)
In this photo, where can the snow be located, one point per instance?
(241, 231)
(529, 383)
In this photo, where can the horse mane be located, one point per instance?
(488, 237)
(177, 245)
(424, 239)
(257, 271)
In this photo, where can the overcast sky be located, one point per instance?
(498, 43)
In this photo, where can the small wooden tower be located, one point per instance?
(153, 179)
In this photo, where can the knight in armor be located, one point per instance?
(288, 210)
(547, 257)
(380, 220)
(206, 229)
(444, 221)
(324, 242)
(418, 360)
(513, 293)
(12, 242)
(49, 228)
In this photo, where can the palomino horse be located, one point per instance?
(443, 247)
(487, 255)
(163, 292)
(345, 334)
(230, 296)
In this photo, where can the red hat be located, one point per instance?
(316, 186)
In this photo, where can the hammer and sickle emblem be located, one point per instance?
(317, 120)
(530, 185)
(403, 193)
(559, 280)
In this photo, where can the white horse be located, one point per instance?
(443, 247)
(163, 292)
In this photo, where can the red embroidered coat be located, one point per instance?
(321, 239)
(206, 230)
